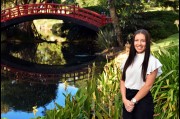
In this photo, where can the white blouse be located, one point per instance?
(134, 78)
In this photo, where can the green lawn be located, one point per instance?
(172, 40)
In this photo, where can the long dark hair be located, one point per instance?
(132, 54)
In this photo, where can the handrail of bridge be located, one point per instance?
(57, 9)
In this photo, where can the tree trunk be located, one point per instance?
(115, 22)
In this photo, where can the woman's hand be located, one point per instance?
(128, 105)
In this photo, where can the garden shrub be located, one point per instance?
(166, 87)
(98, 9)
(159, 23)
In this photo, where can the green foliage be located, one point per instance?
(166, 87)
(101, 99)
(106, 39)
(57, 29)
(110, 102)
(172, 40)
(168, 3)
(51, 52)
(127, 8)
(160, 24)
(87, 3)
(98, 9)
(76, 107)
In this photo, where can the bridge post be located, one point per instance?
(25, 9)
(74, 10)
(9, 13)
(19, 13)
(103, 20)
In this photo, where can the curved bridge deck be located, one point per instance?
(72, 13)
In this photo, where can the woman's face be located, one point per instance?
(140, 43)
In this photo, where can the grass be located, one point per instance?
(172, 40)
(150, 8)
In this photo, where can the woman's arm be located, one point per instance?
(123, 90)
(147, 86)
(127, 103)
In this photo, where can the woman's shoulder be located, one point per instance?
(154, 63)
(152, 57)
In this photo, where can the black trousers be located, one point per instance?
(144, 109)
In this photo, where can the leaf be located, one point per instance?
(58, 106)
(167, 74)
(102, 109)
(99, 116)
(157, 90)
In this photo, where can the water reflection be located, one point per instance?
(18, 98)
(22, 96)
(33, 72)
(48, 53)
(50, 50)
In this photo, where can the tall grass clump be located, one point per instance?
(110, 102)
(100, 99)
(106, 39)
(166, 87)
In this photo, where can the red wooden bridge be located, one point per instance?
(28, 12)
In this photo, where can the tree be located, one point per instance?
(115, 21)
(121, 11)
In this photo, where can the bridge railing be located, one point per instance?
(57, 9)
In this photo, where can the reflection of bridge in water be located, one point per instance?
(47, 74)
(17, 74)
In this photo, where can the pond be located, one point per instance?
(33, 74)
(17, 99)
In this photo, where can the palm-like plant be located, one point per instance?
(106, 39)
(166, 88)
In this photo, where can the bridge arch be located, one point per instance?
(71, 13)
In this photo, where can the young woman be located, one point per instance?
(139, 73)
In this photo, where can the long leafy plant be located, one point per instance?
(166, 88)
